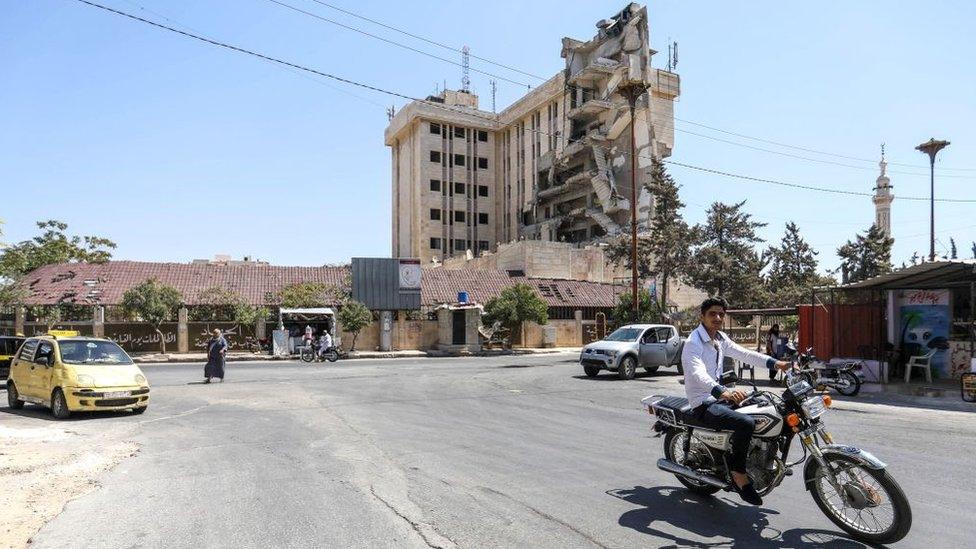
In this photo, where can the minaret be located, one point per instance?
(882, 198)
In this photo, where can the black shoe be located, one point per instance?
(748, 493)
(206, 380)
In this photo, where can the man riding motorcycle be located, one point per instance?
(325, 342)
(702, 360)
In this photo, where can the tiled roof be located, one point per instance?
(105, 283)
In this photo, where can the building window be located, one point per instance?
(482, 190)
(459, 160)
(482, 219)
(459, 216)
(435, 243)
(458, 132)
(459, 188)
(483, 245)
(435, 128)
(460, 244)
(435, 214)
(482, 136)
(435, 156)
(435, 185)
(482, 163)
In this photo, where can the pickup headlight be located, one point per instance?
(140, 379)
(85, 380)
(611, 354)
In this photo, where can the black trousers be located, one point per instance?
(719, 415)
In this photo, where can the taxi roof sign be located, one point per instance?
(64, 333)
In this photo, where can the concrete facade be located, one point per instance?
(553, 166)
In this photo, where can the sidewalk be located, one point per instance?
(237, 356)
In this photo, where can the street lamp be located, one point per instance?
(632, 90)
(931, 148)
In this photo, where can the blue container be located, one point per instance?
(462, 297)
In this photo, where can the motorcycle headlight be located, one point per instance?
(813, 407)
(140, 379)
(85, 380)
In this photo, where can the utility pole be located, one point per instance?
(932, 148)
(632, 90)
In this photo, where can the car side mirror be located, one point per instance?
(49, 360)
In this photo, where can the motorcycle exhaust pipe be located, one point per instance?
(672, 467)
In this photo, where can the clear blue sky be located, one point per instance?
(179, 150)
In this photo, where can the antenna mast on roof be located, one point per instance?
(494, 88)
(465, 78)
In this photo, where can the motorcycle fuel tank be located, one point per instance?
(769, 423)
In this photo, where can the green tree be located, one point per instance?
(952, 247)
(52, 246)
(353, 316)
(724, 261)
(218, 303)
(664, 252)
(514, 306)
(649, 310)
(792, 269)
(869, 255)
(312, 294)
(153, 302)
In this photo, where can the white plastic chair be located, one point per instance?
(924, 362)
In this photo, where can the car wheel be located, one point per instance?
(59, 406)
(139, 409)
(650, 369)
(13, 397)
(591, 371)
(627, 368)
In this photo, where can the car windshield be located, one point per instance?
(624, 334)
(92, 352)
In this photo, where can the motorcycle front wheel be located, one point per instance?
(873, 507)
(331, 355)
(849, 384)
(307, 354)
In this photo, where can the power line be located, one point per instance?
(388, 41)
(780, 144)
(493, 121)
(428, 40)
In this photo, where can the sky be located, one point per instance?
(176, 149)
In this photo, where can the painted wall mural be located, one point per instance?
(923, 326)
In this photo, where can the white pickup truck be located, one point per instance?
(649, 346)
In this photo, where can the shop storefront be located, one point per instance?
(923, 314)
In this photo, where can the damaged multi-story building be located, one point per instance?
(555, 165)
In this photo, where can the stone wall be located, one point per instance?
(960, 355)
(568, 334)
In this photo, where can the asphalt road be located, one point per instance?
(520, 451)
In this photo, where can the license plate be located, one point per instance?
(117, 394)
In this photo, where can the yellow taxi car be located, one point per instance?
(75, 374)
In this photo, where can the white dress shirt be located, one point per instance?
(702, 360)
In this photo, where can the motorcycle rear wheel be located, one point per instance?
(673, 450)
(877, 482)
(853, 386)
(331, 355)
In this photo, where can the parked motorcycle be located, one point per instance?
(310, 353)
(842, 378)
(851, 486)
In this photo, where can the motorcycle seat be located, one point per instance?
(682, 411)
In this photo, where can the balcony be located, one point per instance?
(599, 69)
(590, 108)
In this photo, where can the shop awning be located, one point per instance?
(931, 275)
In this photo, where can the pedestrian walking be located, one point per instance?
(772, 341)
(216, 352)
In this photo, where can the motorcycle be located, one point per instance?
(310, 353)
(842, 378)
(849, 485)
